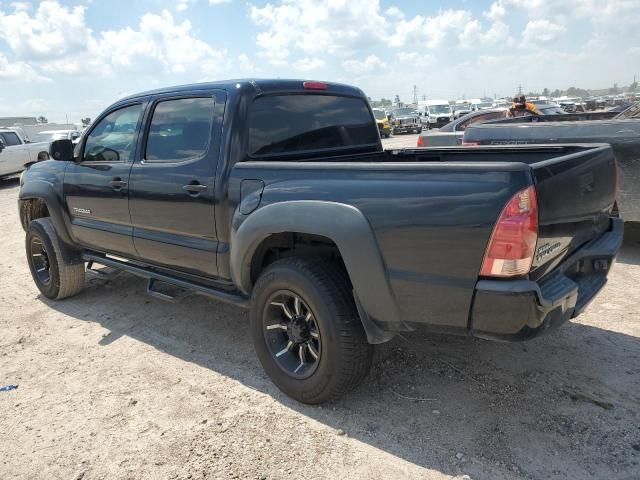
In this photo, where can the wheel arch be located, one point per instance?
(40, 192)
(346, 227)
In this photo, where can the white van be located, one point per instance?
(435, 113)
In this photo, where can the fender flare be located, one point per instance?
(343, 224)
(41, 190)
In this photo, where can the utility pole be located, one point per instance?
(415, 94)
(424, 97)
(520, 89)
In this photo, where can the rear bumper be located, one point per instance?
(515, 310)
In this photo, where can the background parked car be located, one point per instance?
(16, 153)
(405, 120)
(451, 134)
(435, 113)
(382, 120)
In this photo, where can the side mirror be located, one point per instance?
(2, 145)
(61, 150)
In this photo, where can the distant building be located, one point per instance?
(13, 121)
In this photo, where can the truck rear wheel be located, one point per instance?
(306, 330)
(54, 277)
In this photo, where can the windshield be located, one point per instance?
(379, 114)
(438, 109)
(404, 111)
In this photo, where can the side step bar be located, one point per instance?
(152, 276)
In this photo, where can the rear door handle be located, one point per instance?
(194, 188)
(117, 183)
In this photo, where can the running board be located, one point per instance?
(233, 298)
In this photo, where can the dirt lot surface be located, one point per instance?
(114, 384)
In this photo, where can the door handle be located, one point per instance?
(194, 189)
(117, 183)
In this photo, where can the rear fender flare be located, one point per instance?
(344, 224)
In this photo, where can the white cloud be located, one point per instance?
(394, 11)
(53, 32)
(56, 40)
(473, 36)
(541, 31)
(19, 71)
(430, 31)
(308, 64)
(368, 65)
(337, 27)
(159, 42)
(496, 11)
(20, 6)
(408, 56)
(183, 5)
(245, 63)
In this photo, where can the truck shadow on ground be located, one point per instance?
(631, 245)
(454, 404)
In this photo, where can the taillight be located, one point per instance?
(513, 241)
(315, 85)
(420, 141)
(470, 144)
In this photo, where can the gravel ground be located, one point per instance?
(115, 384)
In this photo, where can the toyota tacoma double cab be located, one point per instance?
(277, 196)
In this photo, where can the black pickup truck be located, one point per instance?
(276, 195)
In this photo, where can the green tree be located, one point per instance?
(42, 119)
(546, 92)
(85, 121)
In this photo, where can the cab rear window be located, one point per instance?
(283, 124)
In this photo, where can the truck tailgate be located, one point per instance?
(576, 194)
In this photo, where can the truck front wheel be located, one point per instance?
(306, 330)
(54, 277)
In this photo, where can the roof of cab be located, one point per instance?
(249, 85)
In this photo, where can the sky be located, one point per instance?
(72, 58)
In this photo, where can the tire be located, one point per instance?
(343, 355)
(59, 279)
(28, 211)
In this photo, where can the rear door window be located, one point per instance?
(180, 129)
(282, 124)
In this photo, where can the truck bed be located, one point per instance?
(432, 210)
